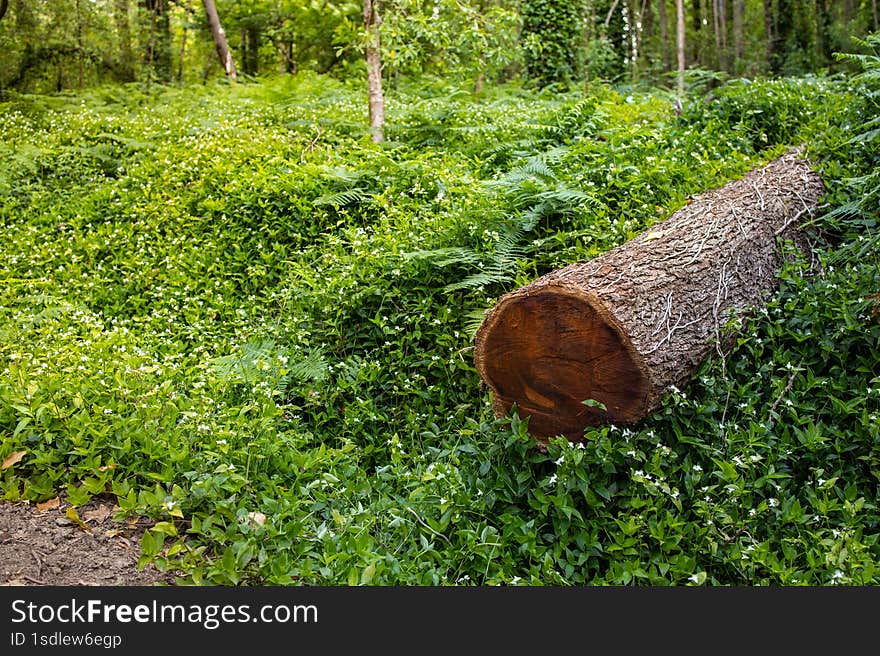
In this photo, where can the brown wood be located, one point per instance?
(220, 43)
(624, 327)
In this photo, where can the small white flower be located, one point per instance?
(552, 479)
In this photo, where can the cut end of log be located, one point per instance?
(550, 351)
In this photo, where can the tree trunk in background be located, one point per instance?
(874, 15)
(769, 34)
(721, 12)
(646, 34)
(847, 12)
(79, 45)
(374, 71)
(220, 44)
(739, 10)
(123, 34)
(629, 325)
(182, 54)
(697, 22)
(252, 50)
(4, 5)
(664, 35)
(679, 47)
(716, 32)
(823, 24)
(158, 55)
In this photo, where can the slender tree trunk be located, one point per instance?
(481, 75)
(664, 35)
(648, 27)
(847, 12)
(716, 30)
(151, 47)
(738, 20)
(220, 44)
(697, 22)
(874, 14)
(721, 10)
(769, 34)
(374, 71)
(123, 34)
(79, 44)
(290, 62)
(252, 63)
(182, 55)
(679, 40)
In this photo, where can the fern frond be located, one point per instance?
(442, 257)
(480, 279)
(311, 368)
(473, 321)
(342, 198)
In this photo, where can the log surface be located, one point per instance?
(624, 327)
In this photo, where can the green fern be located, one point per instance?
(342, 198)
(265, 361)
(534, 193)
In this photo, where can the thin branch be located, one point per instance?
(422, 522)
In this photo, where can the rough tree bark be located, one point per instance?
(220, 44)
(623, 328)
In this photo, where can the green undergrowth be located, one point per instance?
(225, 309)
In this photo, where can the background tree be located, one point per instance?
(219, 36)
(374, 70)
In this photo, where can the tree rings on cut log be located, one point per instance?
(554, 349)
(620, 330)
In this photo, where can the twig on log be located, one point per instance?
(670, 331)
(758, 194)
(711, 229)
(790, 221)
(665, 317)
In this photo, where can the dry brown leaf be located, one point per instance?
(655, 234)
(98, 515)
(104, 468)
(49, 505)
(12, 458)
(257, 518)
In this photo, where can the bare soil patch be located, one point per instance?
(46, 547)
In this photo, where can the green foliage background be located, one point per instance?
(226, 309)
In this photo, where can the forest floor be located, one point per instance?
(46, 547)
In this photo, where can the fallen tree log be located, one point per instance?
(624, 327)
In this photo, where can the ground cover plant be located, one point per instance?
(226, 309)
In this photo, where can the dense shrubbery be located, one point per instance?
(231, 312)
